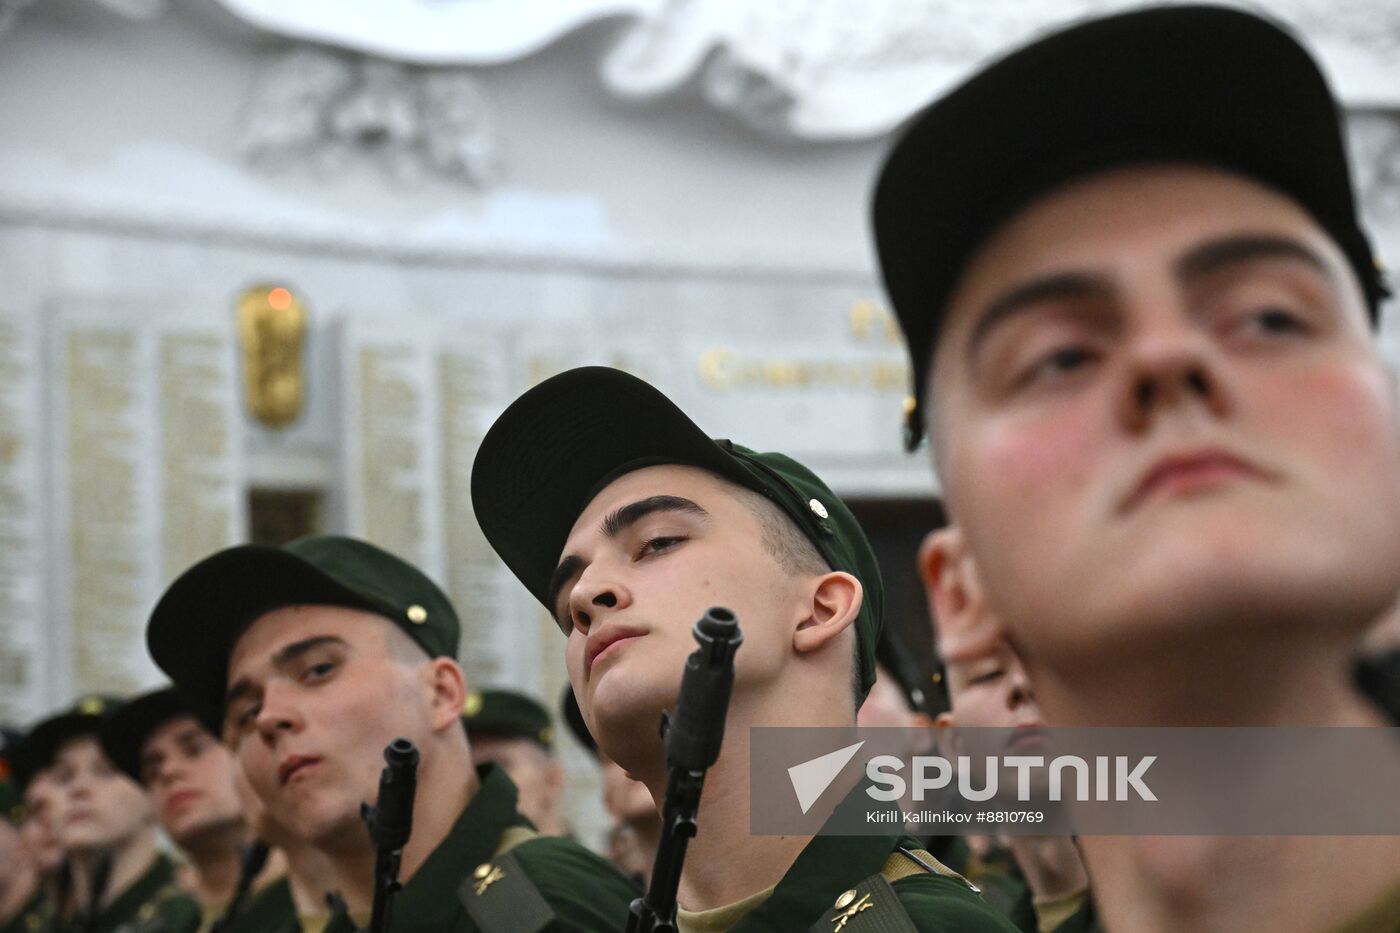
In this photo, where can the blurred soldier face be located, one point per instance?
(98, 807)
(1159, 409)
(14, 857)
(315, 694)
(37, 831)
(189, 777)
(656, 548)
(991, 691)
(535, 772)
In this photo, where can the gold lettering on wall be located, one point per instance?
(724, 369)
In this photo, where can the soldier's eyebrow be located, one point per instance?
(1058, 286)
(620, 520)
(284, 656)
(1221, 253)
(614, 524)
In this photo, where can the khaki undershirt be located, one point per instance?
(1050, 912)
(719, 919)
(1377, 918)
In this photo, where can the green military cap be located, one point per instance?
(561, 442)
(36, 752)
(125, 732)
(199, 619)
(507, 714)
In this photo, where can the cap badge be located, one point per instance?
(817, 508)
(91, 706)
(417, 614)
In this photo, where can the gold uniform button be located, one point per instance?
(482, 870)
(473, 705)
(817, 508)
(845, 899)
(417, 614)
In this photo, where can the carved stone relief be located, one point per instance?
(326, 109)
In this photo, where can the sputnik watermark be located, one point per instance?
(935, 773)
(1108, 781)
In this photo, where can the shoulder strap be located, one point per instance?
(873, 906)
(869, 907)
(499, 896)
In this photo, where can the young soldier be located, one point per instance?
(119, 879)
(316, 656)
(515, 732)
(1039, 881)
(627, 522)
(36, 830)
(1136, 294)
(189, 777)
(23, 906)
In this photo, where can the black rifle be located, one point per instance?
(253, 861)
(390, 823)
(693, 737)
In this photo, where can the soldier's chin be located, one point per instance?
(624, 709)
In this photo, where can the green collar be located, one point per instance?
(429, 899)
(827, 866)
(129, 903)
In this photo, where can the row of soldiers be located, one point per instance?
(1139, 304)
(83, 794)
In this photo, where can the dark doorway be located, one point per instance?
(895, 528)
(276, 516)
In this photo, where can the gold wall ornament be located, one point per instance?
(272, 331)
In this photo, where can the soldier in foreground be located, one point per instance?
(635, 523)
(1138, 302)
(316, 656)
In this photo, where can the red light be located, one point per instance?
(279, 299)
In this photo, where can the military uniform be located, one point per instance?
(854, 884)
(152, 904)
(515, 880)
(33, 917)
(539, 467)
(492, 872)
(269, 909)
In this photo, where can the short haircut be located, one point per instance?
(795, 553)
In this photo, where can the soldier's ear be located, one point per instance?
(835, 602)
(963, 627)
(447, 686)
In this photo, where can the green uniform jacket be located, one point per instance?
(541, 884)
(832, 865)
(33, 917)
(153, 904)
(269, 910)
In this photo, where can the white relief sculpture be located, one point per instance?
(326, 109)
(806, 69)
